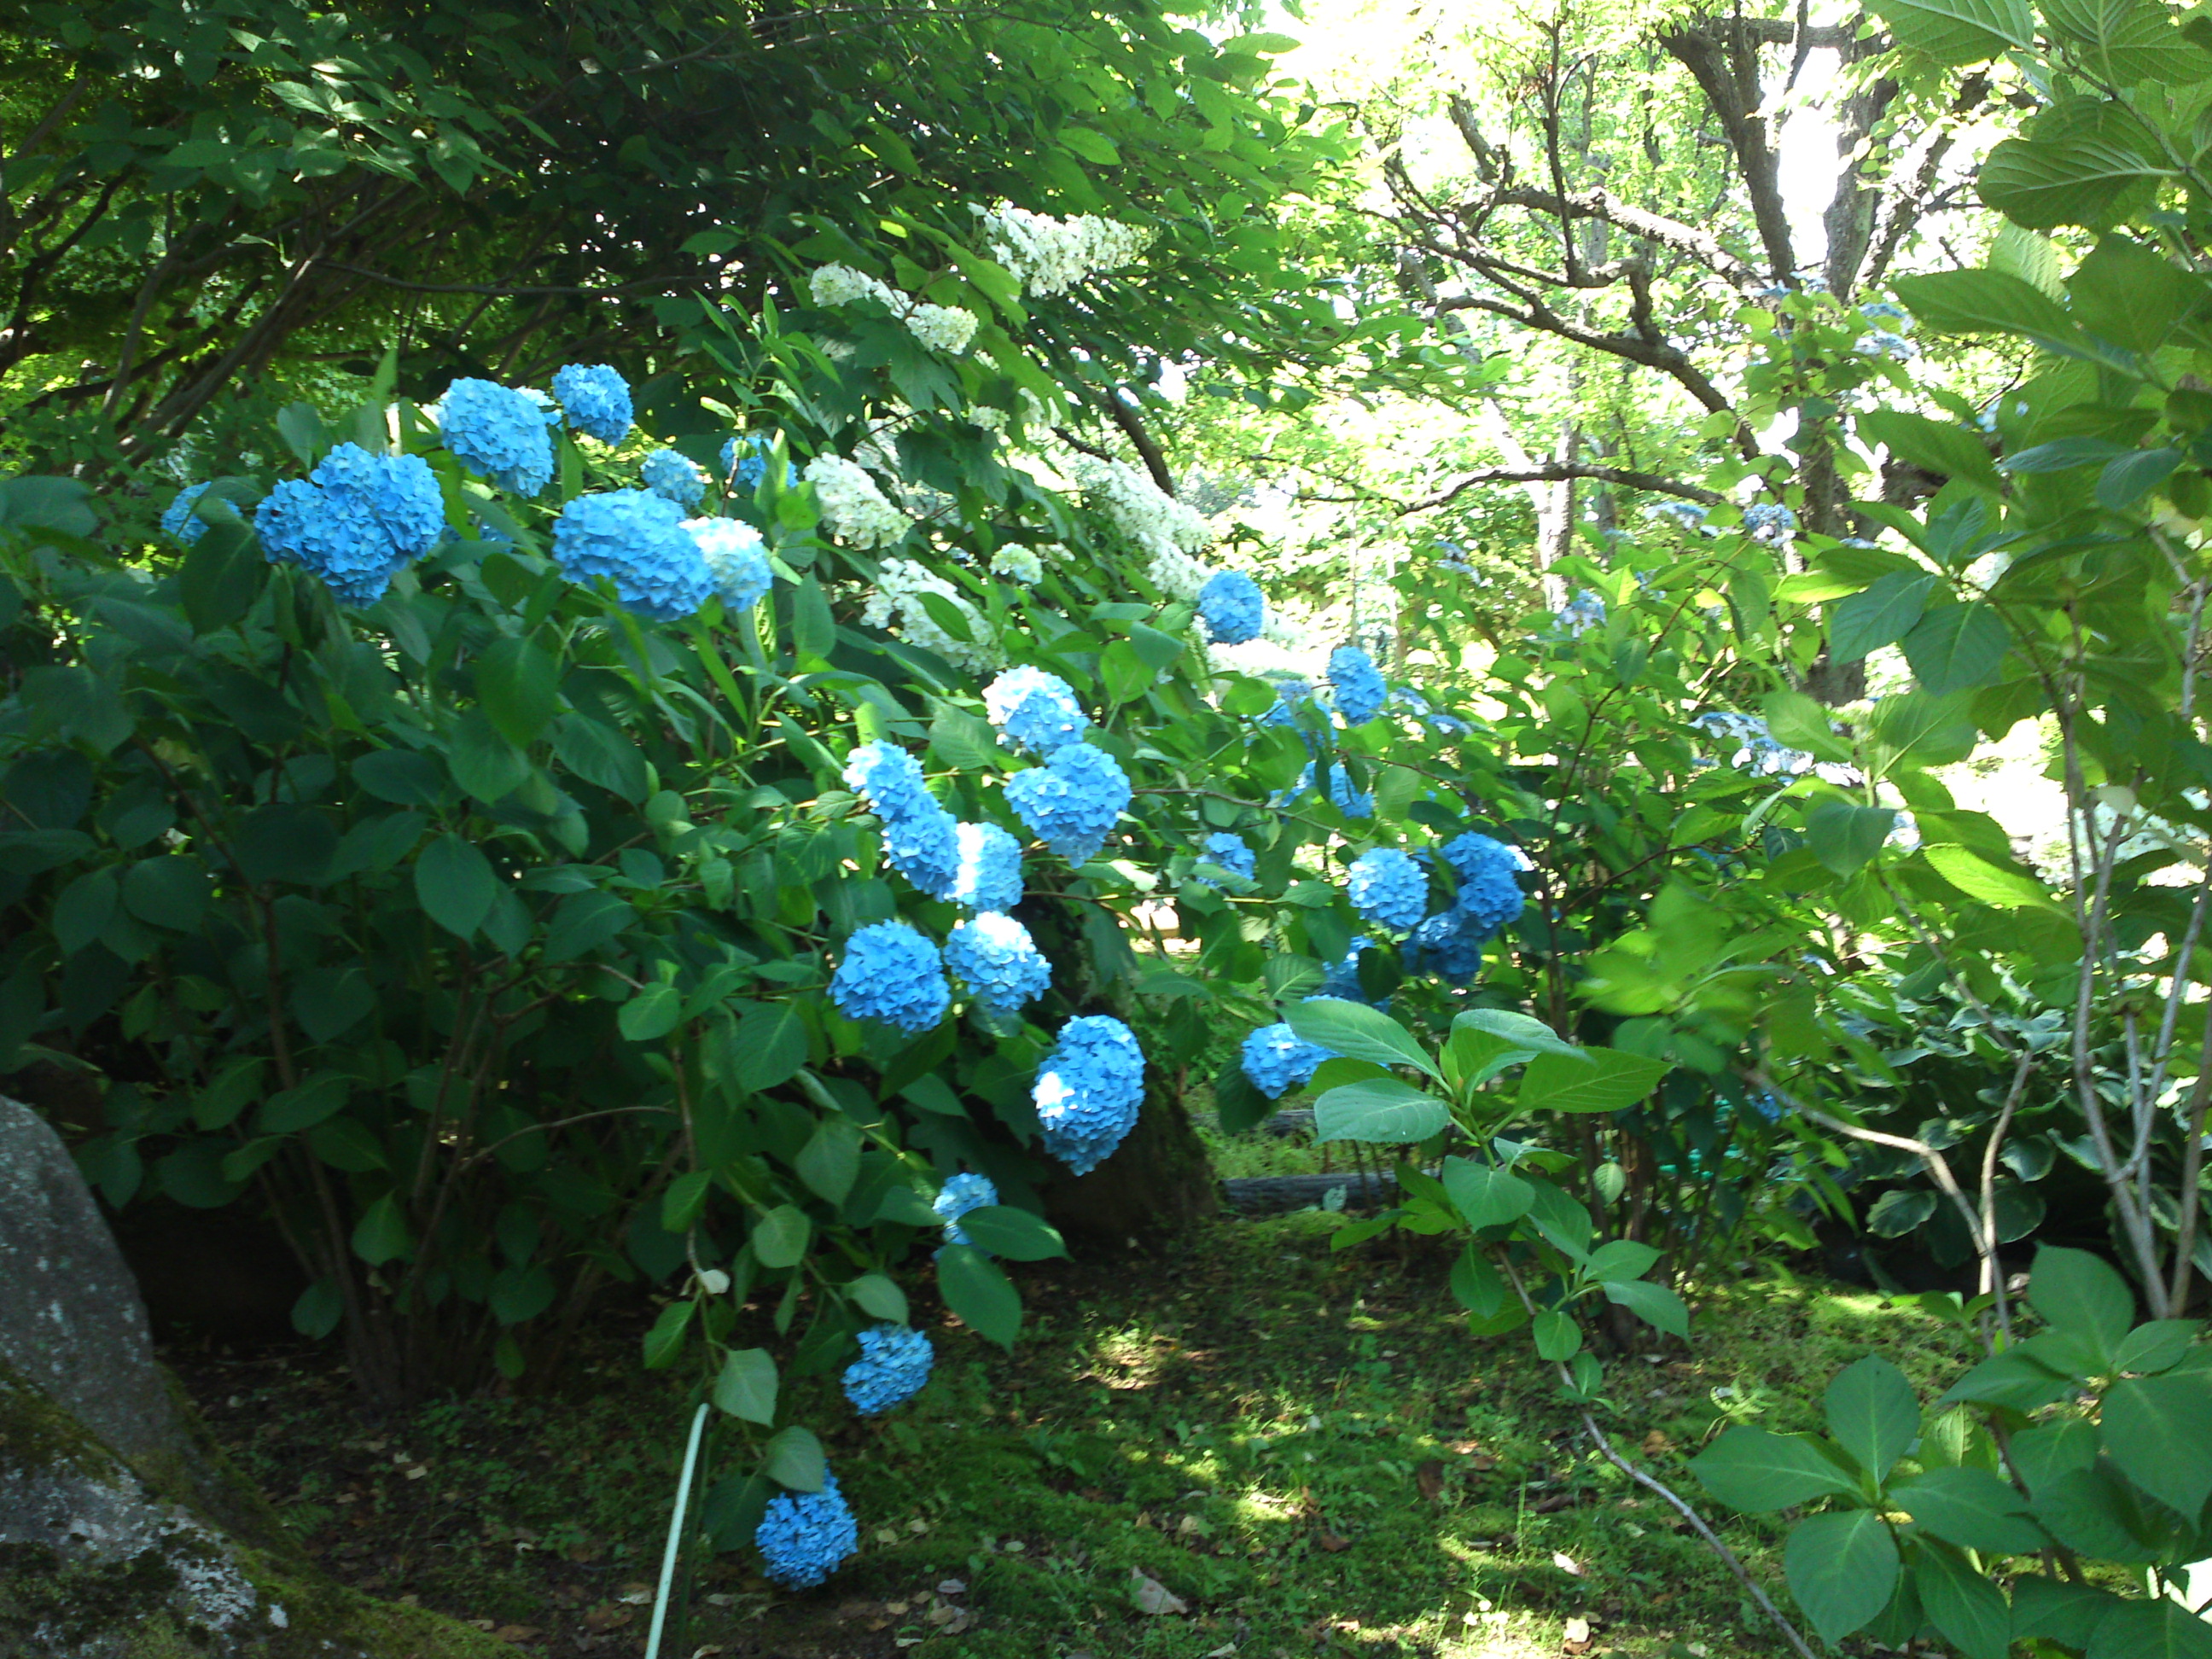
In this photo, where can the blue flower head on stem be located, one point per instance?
(177, 519)
(1072, 801)
(596, 400)
(805, 1536)
(737, 560)
(1360, 692)
(1276, 1060)
(497, 434)
(1232, 608)
(961, 1193)
(1388, 889)
(676, 475)
(1088, 1091)
(893, 1366)
(1034, 710)
(995, 957)
(893, 974)
(635, 539)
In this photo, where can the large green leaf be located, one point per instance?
(1970, 1508)
(455, 885)
(2082, 1296)
(1610, 1079)
(747, 1385)
(2150, 1630)
(1842, 1569)
(1380, 1109)
(983, 1296)
(1357, 1032)
(2159, 1431)
(781, 1236)
(2128, 41)
(1844, 836)
(1957, 647)
(1951, 452)
(1484, 1196)
(830, 1162)
(1952, 31)
(1881, 615)
(2096, 165)
(1872, 1413)
(795, 1458)
(518, 687)
(1969, 1611)
(1978, 879)
(2053, 1610)
(1983, 303)
(1017, 1235)
(1756, 1469)
(1655, 1305)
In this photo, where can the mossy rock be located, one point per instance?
(96, 1562)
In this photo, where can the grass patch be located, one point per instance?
(1304, 1447)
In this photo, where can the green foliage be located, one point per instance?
(1975, 1528)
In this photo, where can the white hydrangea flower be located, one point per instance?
(853, 508)
(947, 329)
(1050, 256)
(897, 600)
(1166, 531)
(1019, 564)
(990, 419)
(838, 285)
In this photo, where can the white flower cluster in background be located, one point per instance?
(897, 599)
(1019, 564)
(852, 507)
(947, 329)
(1168, 532)
(1051, 256)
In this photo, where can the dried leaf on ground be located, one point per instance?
(1152, 1596)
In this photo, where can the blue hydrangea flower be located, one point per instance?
(1088, 1091)
(998, 963)
(1488, 895)
(1342, 979)
(595, 400)
(1770, 522)
(737, 560)
(1582, 613)
(1072, 800)
(1278, 1060)
(1232, 608)
(636, 539)
(1035, 710)
(922, 839)
(1351, 800)
(803, 1536)
(1360, 689)
(353, 520)
(1232, 853)
(677, 476)
(745, 469)
(1449, 944)
(176, 517)
(962, 1192)
(894, 1364)
(498, 433)
(892, 974)
(1283, 711)
(1387, 887)
(990, 873)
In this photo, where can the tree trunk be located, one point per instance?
(1157, 1183)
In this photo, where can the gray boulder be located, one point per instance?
(122, 1535)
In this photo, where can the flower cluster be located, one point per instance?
(1019, 564)
(1885, 342)
(636, 539)
(852, 506)
(1582, 613)
(1341, 979)
(920, 838)
(961, 1193)
(1034, 710)
(1165, 530)
(1088, 1091)
(893, 1366)
(803, 1536)
(1232, 853)
(1283, 711)
(941, 328)
(1049, 256)
(1770, 522)
(1488, 894)
(1276, 1060)
(1358, 685)
(1388, 888)
(177, 519)
(995, 957)
(1347, 797)
(497, 433)
(1072, 800)
(1232, 608)
(676, 475)
(737, 560)
(1687, 516)
(595, 400)
(989, 877)
(892, 974)
(1450, 942)
(898, 598)
(353, 520)
(744, 471)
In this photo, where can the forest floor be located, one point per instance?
(1302, 1447)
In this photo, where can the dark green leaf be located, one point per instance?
(1957, 647)
(652, 1013)
(1610, 1079)
(1955, 32)
(1969, 1611)
(830, 1161)
(1655, 1305)
(1357, 1032)
(795, 1458)
(2126, 481)
(2159, 1430)
(2082, 1296)
(1484, 1196)
(1970, 1508)
(781, 1237)
(1842, 1569)
(666, 1339)
(455, 885)
(975, 1290)
(2150, 1630)
(747, 1386)
(1015, 1234)
(1881, 615)
(1383, 1109)
(1755, 1469)
(380, 1235)
(518, 687)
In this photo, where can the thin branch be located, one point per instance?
(1560, 472)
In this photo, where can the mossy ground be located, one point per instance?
(1304, 1445)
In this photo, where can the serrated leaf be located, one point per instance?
(1872, 1413)
(795, 1458)
(1881, 615)
(1980, 880)
(1383, 1109)
(747, 1386)
(1610, 1079)
(1842, 1569)
(1484, 1196)
(983, 1296)
(1756, 1469)
(1357, 1032)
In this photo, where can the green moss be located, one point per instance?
(35, 1435)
